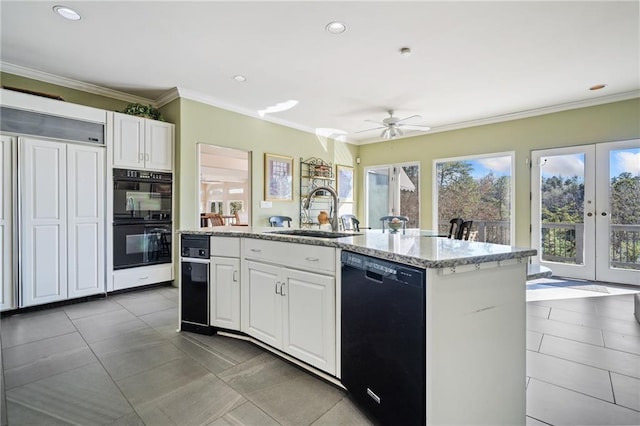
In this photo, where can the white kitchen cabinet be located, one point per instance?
(62, 221)
(6, 223)
(85, 220)
(140, 143)
(224, 292)
(290, 309)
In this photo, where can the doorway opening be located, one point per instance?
(586, 211)
(225, 183)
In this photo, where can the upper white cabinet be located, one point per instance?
(140, 143)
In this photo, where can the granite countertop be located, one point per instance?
(416, 247)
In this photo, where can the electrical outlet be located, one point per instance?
(265, 204)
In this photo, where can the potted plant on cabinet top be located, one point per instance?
(146, 111)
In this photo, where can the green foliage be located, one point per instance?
(146, 111)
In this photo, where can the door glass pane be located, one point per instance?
(377, 196)
(562, 208)
(624, 207)
(478, 190)
(409, 181)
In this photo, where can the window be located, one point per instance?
(480, 189)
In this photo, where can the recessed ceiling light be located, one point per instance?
(405, 51)
(240, 78)
(67, 13)
(336, 27)
(598, 87)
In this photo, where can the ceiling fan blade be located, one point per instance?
(408, 118)
(374, 121)
(368, 130)
(414, 127)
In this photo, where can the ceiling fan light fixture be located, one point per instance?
(67, 12)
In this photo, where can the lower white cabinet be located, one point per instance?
(291, 310)
(143, 275)
(224, 292)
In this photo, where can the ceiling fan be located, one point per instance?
(391, 126)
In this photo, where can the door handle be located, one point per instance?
(277, 291)
(282, 293)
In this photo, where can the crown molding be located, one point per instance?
(601, 100)
(209, 100)
(72, 84)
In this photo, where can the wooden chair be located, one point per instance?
(211, 219)
(386, 219)
(278, 221)
(242, 219)
(350, 223)
(454, 229)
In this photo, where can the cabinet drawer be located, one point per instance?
(301, 256)
(135, 277)
(225, 246)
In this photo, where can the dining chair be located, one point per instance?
(350, 223)
(454, 229)
(465, 230)
(386, 219)
(242, 219)
(278, 221)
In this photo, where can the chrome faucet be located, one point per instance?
(334, 212)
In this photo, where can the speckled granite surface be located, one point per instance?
(416, 247)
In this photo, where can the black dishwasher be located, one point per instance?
(194, 283)
(384, 338)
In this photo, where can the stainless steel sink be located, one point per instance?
(313, 233)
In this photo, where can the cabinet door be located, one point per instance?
(309, 318)
(128, 141)
(85, 220)
(158, 151)
(6, 222)
(262, 304)
(225, 292)
(43, 233)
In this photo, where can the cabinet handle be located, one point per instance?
(312, 259)
(256, 250)
(235, 276)
(277, 291)
(143, 278)
(282, 293)
(146, 157)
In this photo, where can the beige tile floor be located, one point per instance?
(120, 361)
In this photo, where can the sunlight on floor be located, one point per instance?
(569, 288)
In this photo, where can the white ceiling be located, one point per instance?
(472, 62)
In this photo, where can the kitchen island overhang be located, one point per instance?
(474, 317)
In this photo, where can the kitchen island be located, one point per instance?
(474, 310)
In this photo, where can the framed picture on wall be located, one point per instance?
(278, 177)
(344, 175)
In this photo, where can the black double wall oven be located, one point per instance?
(142, 218)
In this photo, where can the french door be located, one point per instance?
(586, 211)
(392, 190)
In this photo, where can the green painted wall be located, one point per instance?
(602, 123)
(200, 123)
